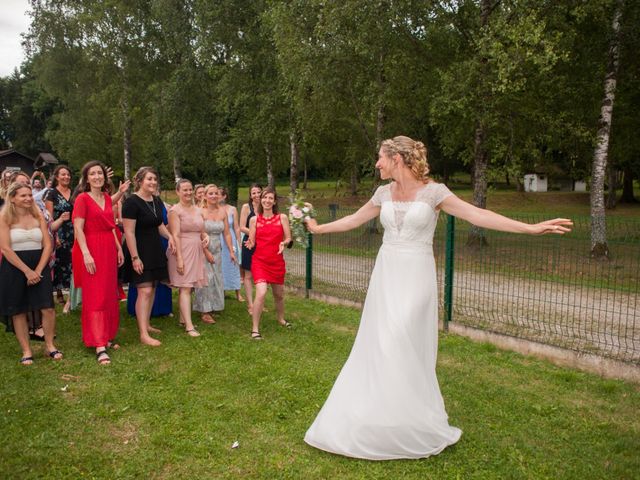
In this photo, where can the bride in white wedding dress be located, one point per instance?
(386, 402)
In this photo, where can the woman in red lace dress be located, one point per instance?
(96, 256)
(269, 232)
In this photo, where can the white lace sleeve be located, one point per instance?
(380, 195)
(433, 194)
(440, 193)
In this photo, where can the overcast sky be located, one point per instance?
(13, 22)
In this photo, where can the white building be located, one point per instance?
(580, 186)
(535, 182)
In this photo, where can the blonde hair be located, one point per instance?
(8, 213)
(206, 189)
(413, 153)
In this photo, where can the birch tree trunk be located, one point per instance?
(271, 182)
(177, 168)
(295, 157)
(599, 247)
(126, 140)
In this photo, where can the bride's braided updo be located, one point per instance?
(413, 153)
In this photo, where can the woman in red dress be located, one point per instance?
(269, 232)
(96, 256)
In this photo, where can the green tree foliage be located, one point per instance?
(216, 90)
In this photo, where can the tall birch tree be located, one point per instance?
(599, 247)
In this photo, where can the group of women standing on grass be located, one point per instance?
(191, 247)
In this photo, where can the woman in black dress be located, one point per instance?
(59, 203)
(145, 257)
(248, 211)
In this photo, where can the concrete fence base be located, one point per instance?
(605, 367)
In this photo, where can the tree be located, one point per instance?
(599, 248)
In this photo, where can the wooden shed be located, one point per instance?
(45, 162)
(15, 161)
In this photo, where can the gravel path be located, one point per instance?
(602, 321)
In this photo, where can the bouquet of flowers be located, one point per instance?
(299, 213)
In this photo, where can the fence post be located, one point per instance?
(309, 266)
(448, 271)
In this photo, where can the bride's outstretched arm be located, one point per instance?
(363, 215)
(488, 219)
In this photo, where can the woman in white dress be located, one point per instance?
(386, 402)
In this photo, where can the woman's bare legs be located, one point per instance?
(278, 297)
(247, 279)
(144, 304)
(184, 299)
(49, 327)
(21, 329)
(258, 304)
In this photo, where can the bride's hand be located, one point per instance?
(557, 225)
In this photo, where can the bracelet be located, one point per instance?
(133, 259)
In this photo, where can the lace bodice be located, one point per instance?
(413, 221)
(214, 227)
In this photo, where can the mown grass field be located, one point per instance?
(175, 411)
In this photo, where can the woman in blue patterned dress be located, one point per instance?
(231, 269)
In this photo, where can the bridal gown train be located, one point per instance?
(386, 402)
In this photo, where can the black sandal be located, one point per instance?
(103, 357)
(256, 336)
(26, 360)
(53, 354)
(285, 324)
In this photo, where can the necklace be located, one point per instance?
(151, 207)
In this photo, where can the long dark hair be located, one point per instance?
(84, 176)
(56, 171)
(275, 200)
(254, 185)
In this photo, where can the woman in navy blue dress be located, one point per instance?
(247, 212)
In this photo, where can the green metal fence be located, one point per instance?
(546, 289)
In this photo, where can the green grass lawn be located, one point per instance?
(175, 411)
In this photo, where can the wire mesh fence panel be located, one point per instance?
(546, 289)
(342, 263)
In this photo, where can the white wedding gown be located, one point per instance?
(386, 403)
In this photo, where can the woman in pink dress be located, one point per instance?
(269, 232)
(186, 267)
(96, 256)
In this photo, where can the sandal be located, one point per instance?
(55, 355)
(286, 324)
(113, 345)
(193, 333)
(256, 336)
(103, 357)
(206, 318)
(36, 337)
(26, 360)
